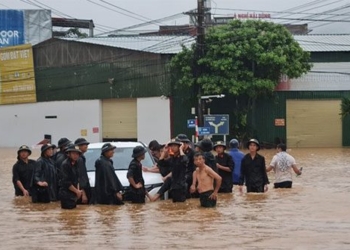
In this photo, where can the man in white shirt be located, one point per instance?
(282, 164)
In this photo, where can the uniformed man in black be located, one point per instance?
(107, 185)
(225, 165)
(22, 172)
(156, 150)
(84, 182)
(134, 175)
(44, 183)
(253, 170)
(176, 180)
(70, 191)
(189, 152)
(60, 155)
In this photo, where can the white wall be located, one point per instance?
(26, 123)
(153, 119)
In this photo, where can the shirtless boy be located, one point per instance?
(205, 177)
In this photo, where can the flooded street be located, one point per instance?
(314, 214)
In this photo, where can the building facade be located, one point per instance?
(119, 88)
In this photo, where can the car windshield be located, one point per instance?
(121, 158)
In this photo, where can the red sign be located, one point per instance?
(280, 122)
(95, 130)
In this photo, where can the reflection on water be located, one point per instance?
(312, 215)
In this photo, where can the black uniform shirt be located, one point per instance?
(135, 171)
(178, 165)
(253, 171)
(226, 161)
(22, 172)
(69, 175)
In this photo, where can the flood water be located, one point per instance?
(314, 214)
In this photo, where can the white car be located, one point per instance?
(121, 160)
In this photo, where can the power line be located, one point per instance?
(332, 10)
(320, 25)
(175, 16)
(320, 6)
(306, 5)
(102, 27)
(119, 12)
(133, 13)
(5, 5)
(59, 13)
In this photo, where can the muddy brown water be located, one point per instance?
(314, 214)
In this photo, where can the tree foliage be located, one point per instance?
(76, 33)
(345, 107)
(242, 58)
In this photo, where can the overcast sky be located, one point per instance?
(138, 11)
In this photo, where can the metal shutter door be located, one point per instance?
(314, 123)
(119, 119)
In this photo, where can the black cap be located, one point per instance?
(138, 151)
(219, 143)
(46, 147)
(73, 148)
(24, 148)
(206, 145)
(174, 142)
(182, 138)
(154, 145)
(63, 142)
(81, 141)
(106, 147)
(253, 141)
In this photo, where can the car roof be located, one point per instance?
(118, 144)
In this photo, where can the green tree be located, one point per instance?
(75, 32)
(345, 107)
(243, 58)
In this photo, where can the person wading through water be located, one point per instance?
(135, 178)
(83, 145)
(45, 179)
(70, 191)
(108, 188)
(225, 165)
(205, 177)
(22, 172)
(253, 170)
(176, 180)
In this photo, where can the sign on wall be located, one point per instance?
(11, 28)
(280, 122)
(17, 80)
(24, 26)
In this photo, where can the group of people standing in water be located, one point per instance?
(188, 171)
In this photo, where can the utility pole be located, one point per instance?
(199, 54)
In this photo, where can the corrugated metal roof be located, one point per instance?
(153, 44)
(322, 77)
(172, 44)
(324, 43)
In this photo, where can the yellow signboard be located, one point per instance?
(17, 80)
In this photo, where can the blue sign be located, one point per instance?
(11, 28)
(203, 131)
(191, 123)
(218, 124)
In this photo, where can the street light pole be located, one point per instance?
(199, 54)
